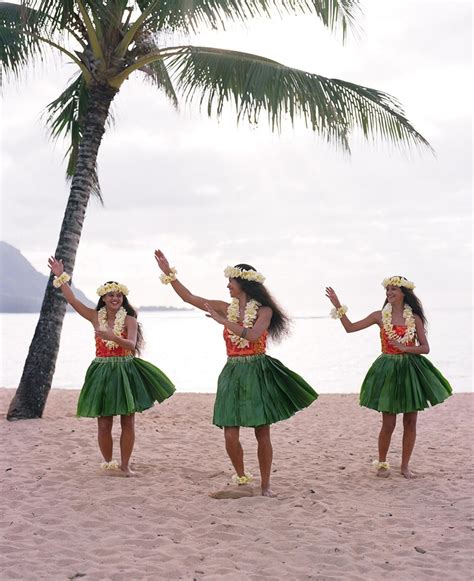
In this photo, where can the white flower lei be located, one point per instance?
(398, 281)
(112, 287)
(119, 324)
(252, 275)
(250, 314)
(409, 320)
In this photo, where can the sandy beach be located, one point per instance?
(63, 518)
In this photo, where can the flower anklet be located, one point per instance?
(241, 480)
(380, 465)
(112, 465)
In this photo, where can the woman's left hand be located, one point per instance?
(214, 314)
(107, 335)
(400, 346)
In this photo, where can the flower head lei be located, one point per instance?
(398, 281)
(251, 275)
(409, 334)
(112, 287)
(119, 324)
(250, 314)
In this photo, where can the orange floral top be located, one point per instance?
(101, 349)
(387, 349)
(255, 348)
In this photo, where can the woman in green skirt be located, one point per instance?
(254, 390)
(400, 380)
(117, 383)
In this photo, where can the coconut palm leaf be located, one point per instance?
(254, 85)
(19, 30)
(158, 74)
(63, 14)
(65, 117)
(26, 34)
(186, 16)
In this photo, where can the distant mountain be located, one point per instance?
(21, 285)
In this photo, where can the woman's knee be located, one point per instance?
(388, 423)
(127, 422)
(231, 436)
(262, 434)
(409, 422)
(105, 424)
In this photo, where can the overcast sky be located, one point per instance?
(211, 194)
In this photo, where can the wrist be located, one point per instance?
(338, 312)
(63, 278)
(170, 277)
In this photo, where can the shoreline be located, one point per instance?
(182, 392)
(333, 518)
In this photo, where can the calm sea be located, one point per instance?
(189, 348)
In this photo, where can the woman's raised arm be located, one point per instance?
(372, 319)
(185, 294)
(57, 268)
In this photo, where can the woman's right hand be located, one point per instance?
(332, 296)
(162, 261)
(56, 266)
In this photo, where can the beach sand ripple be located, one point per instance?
(63, 518)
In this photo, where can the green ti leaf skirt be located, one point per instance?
(403, 383)
(257, 390)
(122, 386)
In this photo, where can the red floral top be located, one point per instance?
(101, 349)
(386, 347)
(255, 348)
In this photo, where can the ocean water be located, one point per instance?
(189, 348)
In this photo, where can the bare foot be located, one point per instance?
(383, 472)
(382, 468)
(407, 473)
(125, 471)
(268, 492)
(109, 465)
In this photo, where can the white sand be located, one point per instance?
(62, 518)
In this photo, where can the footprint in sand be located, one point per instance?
(235, 492)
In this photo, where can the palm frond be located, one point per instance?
(61, 14)
(18, 42)
(76, 16)
(59, 11)
(157, 73)
(331, 107)
(65, 116)
(26, 33)
(186, 16)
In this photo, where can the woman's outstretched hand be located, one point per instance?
(56, 266)
(213, 314)
(332, 296)
(162, 261)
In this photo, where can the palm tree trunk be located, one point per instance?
(32, 393)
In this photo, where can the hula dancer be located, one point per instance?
(400, 380)
(117, 383)
(254, 390)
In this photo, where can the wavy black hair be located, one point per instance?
(280, 322)
(130, 311)
(414, 302)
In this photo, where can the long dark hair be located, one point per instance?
(280, 322)
(130, 311)
(410, 298)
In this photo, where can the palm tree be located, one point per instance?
(108, 41)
